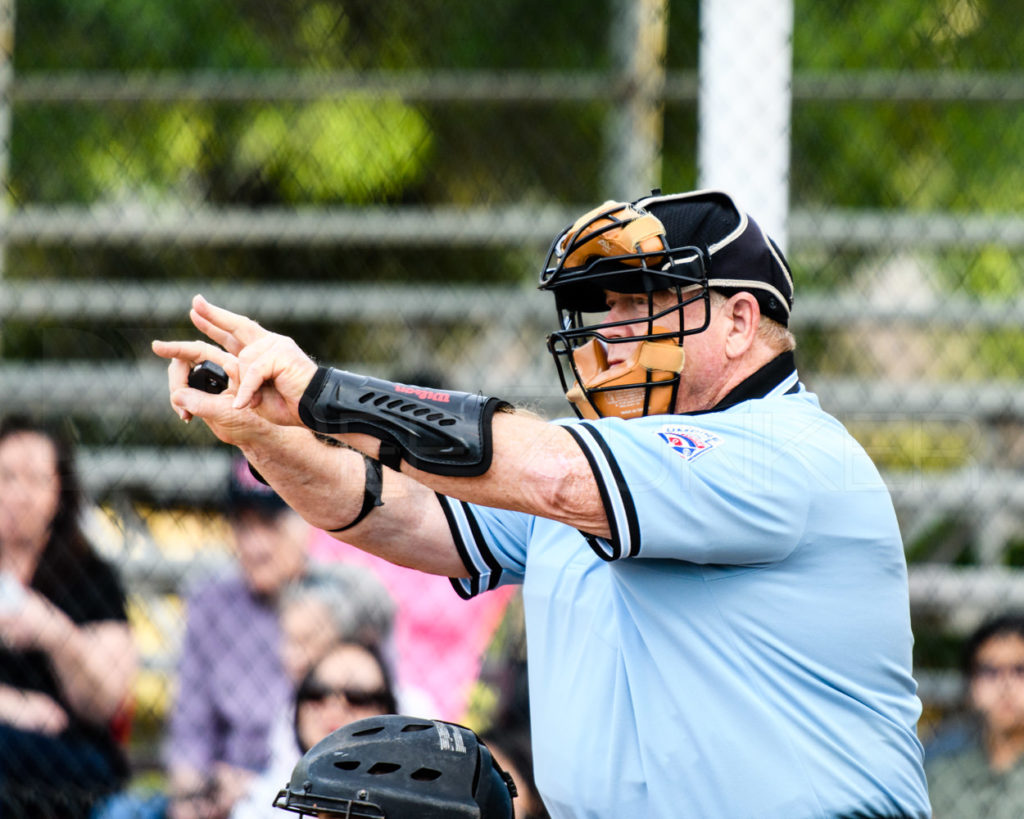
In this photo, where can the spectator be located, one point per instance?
(439, 639)
(986, 778)
(331, 603)
(231, 680)
(349, 682)
(67, 659)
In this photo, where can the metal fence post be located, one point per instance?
(746, 66)
(639, 34)
(7, 8)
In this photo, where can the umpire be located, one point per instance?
(714, 581)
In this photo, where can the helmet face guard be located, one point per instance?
(397, 767)
(620, 248)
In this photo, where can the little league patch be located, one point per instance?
(688, 441)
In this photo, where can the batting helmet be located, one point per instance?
(397, 767)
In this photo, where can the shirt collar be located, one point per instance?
(778, 375)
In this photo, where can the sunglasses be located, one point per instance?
(985, 671)
(318, 692)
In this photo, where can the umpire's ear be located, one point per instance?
(742, 314)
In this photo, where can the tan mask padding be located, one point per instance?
(637, 233)
(662, 359)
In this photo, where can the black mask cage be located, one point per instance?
(397, 767)
(582, 327)
(581, 302)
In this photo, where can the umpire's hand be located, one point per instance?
(267, 372)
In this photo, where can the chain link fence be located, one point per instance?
(381, 180)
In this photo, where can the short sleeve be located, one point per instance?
(492, 544)
(701, 490)
(89, 591)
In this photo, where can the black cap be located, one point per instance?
(741, 256)
(245, 492)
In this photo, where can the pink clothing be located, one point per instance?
(439, 637)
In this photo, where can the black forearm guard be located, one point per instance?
(438, 431)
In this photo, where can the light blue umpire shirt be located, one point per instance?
(741, 645)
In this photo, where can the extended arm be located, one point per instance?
(536, 467)
(325, 485)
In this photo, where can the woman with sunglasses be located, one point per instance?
(350, 682)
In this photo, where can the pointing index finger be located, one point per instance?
(192, 352)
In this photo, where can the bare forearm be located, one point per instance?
(325, 485)
(536, 467)
(321, 483)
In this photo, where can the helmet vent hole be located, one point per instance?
(425, 775)
(417, 726)
(383, 768)
(375, 729)
(347, 764)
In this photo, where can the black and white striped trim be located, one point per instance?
(787, 386)
(484, 570)
(746, 284)
(615, 495)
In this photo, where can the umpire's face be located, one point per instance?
(634, 308)
(713, 356)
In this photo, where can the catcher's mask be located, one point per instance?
(622, 248)
(397, 767)
(681, 244)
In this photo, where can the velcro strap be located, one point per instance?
(372, 489)
(437, 431)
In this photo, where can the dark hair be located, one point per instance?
(389, 703)
(1011, 623)
(67, 544)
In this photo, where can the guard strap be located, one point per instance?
(372, 489)
(437, 431)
